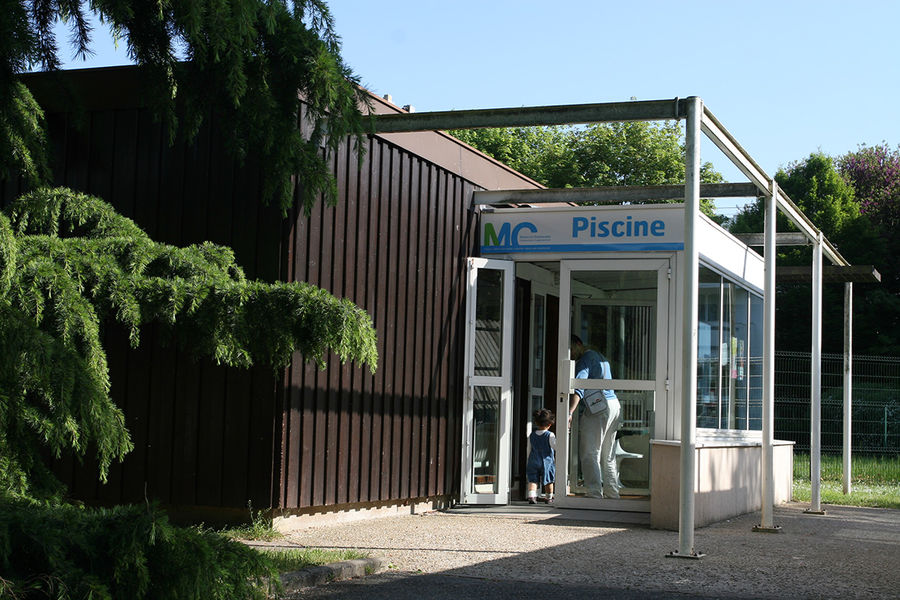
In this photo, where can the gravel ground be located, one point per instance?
(848, 553)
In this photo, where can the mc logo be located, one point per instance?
(507, 236)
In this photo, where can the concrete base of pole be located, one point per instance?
(772, 529)
(810, 511)
(693, 556)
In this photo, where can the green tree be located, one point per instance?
(633, 153)
(68, 264)
(875, 175)
(542, 153)
(828, 198)
(250, 62)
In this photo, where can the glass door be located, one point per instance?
(618, 310)
(536, 356)
(487, 410)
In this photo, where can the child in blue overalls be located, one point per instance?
(541, 466)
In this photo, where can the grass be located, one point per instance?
(875, 483)
(258, 529)
(300, 558)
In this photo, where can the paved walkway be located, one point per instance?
(848, 553)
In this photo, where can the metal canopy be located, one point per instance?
(698, 119)
(645, 110)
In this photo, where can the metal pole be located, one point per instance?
(768, 425)
(815, 414)
(848, 383)
(689, 338)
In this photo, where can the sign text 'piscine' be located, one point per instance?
(627, 228)
(579, 229)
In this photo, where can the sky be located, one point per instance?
(787, 78)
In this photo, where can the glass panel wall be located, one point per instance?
(488, 319)
(729, 354)
(537, 353)
(708, 347)
(754, 403)
(486, 443)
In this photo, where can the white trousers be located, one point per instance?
(597, 444)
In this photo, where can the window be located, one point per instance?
(729, 354)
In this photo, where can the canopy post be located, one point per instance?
(815, 413)
(689, 339)
(767, 466)
(848, 385)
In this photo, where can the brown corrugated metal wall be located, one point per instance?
(210, 436)
(395, 244)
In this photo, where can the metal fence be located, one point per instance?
(875, 404)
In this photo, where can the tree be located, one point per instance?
(636, 153)
(822, 192)
(68, 264)
(542, 153)
(250, 62)
(875, 174)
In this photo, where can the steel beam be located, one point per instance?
(645, 110)
(743, 161)
(729, 146)
(790, 238)
(611, 194)
(830, 274)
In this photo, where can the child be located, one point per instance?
(541, 465)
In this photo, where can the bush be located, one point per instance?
(65, 551)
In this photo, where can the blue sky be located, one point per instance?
(786, 78)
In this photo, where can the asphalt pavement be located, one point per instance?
(847, 553)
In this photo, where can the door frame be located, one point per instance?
(504, 381)
(565, 380)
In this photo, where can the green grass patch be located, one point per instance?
(875, 480)
(865, 469)
(258, 529)
(300, 558)
(863, 494)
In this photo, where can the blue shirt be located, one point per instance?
(593, 365)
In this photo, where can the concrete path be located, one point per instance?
(848, 553)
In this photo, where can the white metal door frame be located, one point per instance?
(565, 383)
(504, 382)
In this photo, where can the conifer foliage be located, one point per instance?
(66, 552)
(69, 263)
(259, 65)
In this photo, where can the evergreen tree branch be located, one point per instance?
(69, 263)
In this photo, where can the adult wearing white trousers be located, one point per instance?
(599, 423)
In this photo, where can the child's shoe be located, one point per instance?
(532, 500)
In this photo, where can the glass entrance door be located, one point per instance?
(487, 412)
(618, 309)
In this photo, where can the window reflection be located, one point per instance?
(488, 319)
(729, 354)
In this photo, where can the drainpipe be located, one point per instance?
(848, 382)
(689, 339)
(815, 413)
